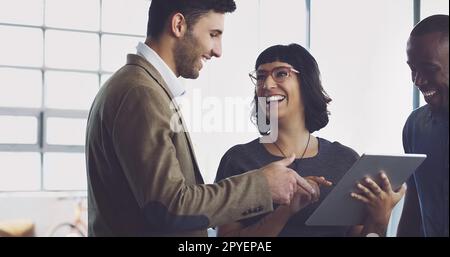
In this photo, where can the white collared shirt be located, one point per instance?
(175, 86)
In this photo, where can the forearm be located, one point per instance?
(200, 206)
(269, 226)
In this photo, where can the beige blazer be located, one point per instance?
(143, 178)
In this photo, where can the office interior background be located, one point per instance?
(56, 54)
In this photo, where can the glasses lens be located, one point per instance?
(280, 74)
(260, 77)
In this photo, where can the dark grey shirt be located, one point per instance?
(426, 132)
(332, 161)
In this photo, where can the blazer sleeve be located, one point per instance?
(142, 140)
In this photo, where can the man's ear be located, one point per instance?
(178, 26)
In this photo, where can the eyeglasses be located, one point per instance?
(279, 75)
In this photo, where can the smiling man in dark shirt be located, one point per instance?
(426, 208)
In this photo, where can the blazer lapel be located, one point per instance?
(133, 59)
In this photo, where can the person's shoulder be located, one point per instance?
(341, 150)
(426, 109)
(419, 113)
(129, 81)
(240, 152)
(239, 149)
(234, 159)
(418, 119)
(139, 74)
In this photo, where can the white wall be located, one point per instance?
(362, 55)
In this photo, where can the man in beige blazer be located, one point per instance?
(143, 178)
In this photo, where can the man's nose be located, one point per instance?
(419, 80)
(217, 50)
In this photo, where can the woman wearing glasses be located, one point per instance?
(289, 76)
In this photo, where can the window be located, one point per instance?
(71, 50)
(48, 86)
(13, 11)
(70, 90)
(17, 81)
(112, 49)
(66, 14)
(16, 40)
(19, 165)
(18, 129)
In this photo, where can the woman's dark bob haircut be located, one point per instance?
(314, 98)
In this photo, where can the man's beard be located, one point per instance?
(186, 54)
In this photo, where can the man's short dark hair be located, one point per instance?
(161, 10)
(434, 23)
(314, 97)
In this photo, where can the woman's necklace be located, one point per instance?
(303, 154)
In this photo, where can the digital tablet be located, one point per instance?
(340, 209)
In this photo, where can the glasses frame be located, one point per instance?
(253, 75)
